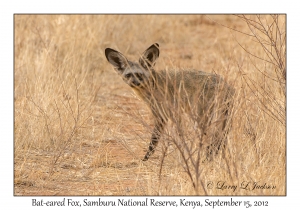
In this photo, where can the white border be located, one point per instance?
(8, 201)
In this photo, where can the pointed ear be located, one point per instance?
(116, 58)
(149, 56)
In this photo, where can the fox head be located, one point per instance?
(134, 74)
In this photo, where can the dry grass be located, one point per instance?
(79, 130)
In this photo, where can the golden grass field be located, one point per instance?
(80, 130)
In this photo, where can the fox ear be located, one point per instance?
(149, 56)
(117, 59)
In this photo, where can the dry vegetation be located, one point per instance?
(79, 129)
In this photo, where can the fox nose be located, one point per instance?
(136, 83)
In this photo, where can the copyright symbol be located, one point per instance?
(210, 185)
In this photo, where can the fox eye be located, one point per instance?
(127, 76)
(139, 76)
